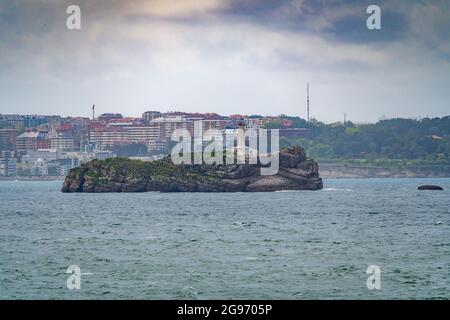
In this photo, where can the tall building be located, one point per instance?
(213, 124)
(167, 125)
(8, 164)
(142, 133)
(62, 140)
(108, 136)
(154, 130)
(8, 139)
(32, 141)
(105, 137)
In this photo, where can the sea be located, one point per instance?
(282, 245)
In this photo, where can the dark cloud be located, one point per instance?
(208, 55)
(354, 29)
(340, 20)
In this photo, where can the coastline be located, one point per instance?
(343, 171)
(328, 171)
(294, 171)
(49, 178)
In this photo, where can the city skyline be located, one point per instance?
(339, 118)
(227, 57)
(175, 113)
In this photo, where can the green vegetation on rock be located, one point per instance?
(296, 172)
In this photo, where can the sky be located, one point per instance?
(226, 56)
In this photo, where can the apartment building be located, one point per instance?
(62, 141)
(8, 138)
(26, 121)
(109, 136)
(8, 164)
(167, 125)
(157, 145)
(143, 133)
(105, 137)
(150, 115)
(45, 155)
(32, 141)
(154, 133)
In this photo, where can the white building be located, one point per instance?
(61, 141)
(45, 155)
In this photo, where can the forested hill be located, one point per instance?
(426, 140)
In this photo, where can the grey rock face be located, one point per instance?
(296, 172)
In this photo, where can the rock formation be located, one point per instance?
(430, 187)
(296, 172)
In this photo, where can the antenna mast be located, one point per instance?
(307, 101)
(93, 112)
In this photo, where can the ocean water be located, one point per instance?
(282, 245)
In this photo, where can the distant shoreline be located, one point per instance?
(330, 171)
(50, 178)
(342, 171)
(325, 175)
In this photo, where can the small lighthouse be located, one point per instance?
(240, 148)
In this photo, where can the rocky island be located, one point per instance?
(296, 172)
(430, 187)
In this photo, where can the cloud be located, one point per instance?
(225, 56)
(179, 8)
